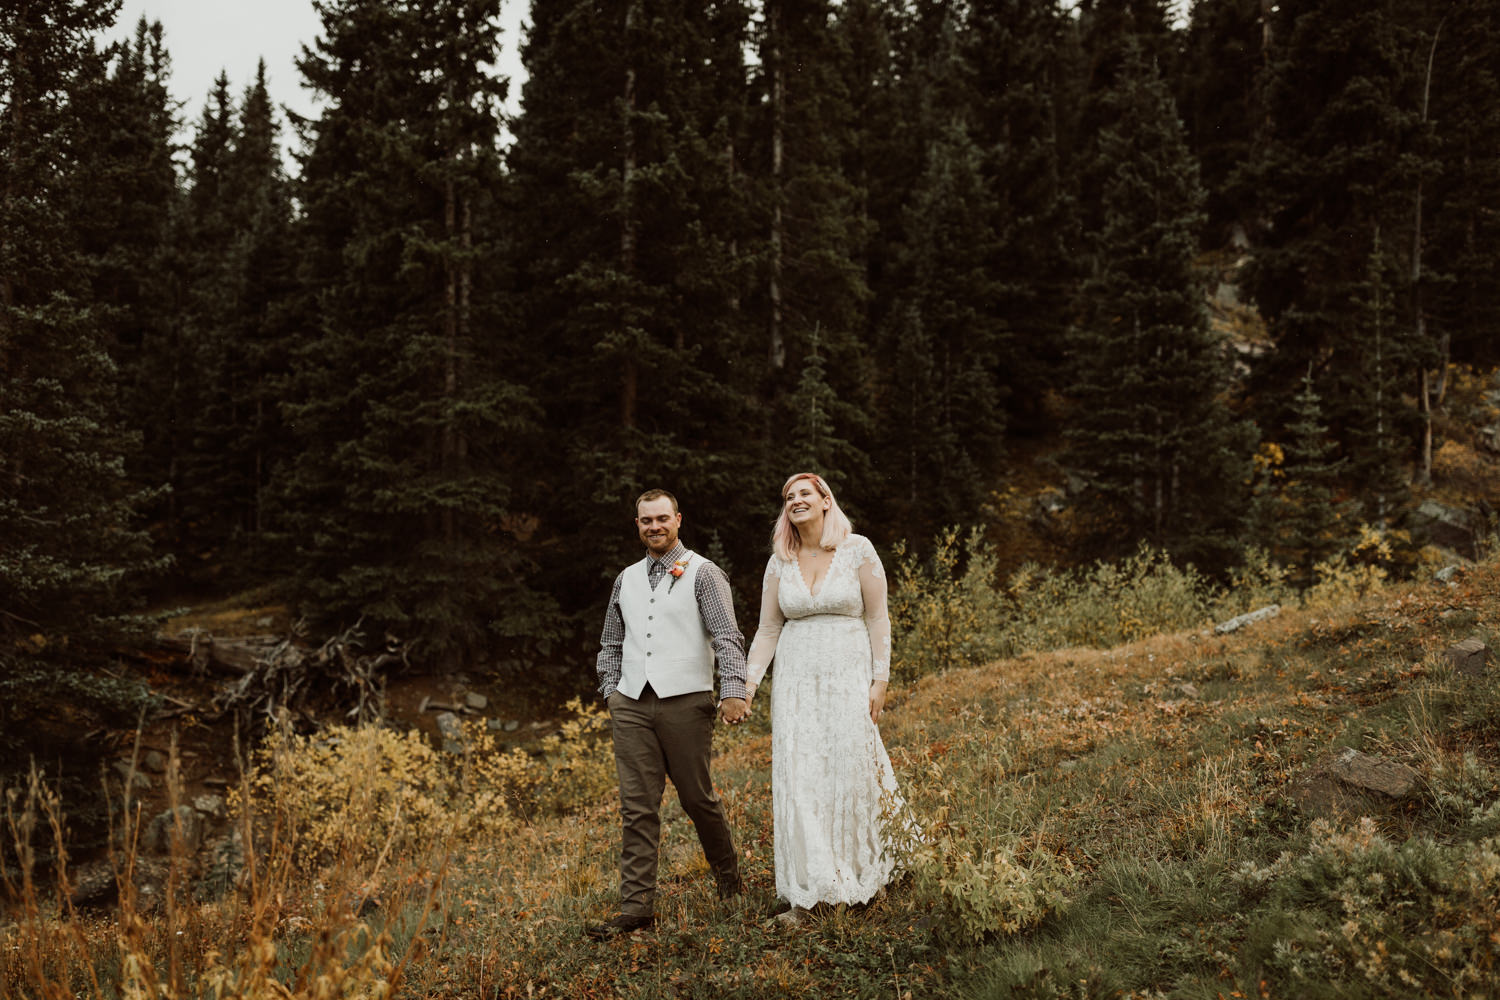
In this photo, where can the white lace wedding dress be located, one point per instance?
(831, 779)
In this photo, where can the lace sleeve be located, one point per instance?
(763, 649)
(877, 619)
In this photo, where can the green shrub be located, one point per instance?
(983, 892)
(1106, 604)
(1357, 912)
(348, 792)
(945, 611)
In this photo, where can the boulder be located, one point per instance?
(138, 781)
(1349, 784)
(157, 837)
(1469, 657)
(452, 731)
(1449, 573)
(1453, 528)
(96, 884)
(1374, 774)
(211, 806)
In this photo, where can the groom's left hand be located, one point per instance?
(733, 710)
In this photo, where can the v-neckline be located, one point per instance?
(821, 583)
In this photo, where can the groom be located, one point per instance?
(669, 617)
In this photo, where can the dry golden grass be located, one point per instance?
(1095, 823)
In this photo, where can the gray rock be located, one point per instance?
(1454, 528)
(1249, 618)
(449, 726)
(139, 782)
(452, 732)
(225, 865)
(1374, 774)
(512, 725)
(157, 837)
(494, 725)
(154, 761)
(211, 805)
(1348, 784)
(1469, 657)
(96, 884)
(475, 700)
(1448, 573)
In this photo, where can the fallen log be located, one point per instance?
(227, 657)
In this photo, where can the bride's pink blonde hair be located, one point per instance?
(836, 527)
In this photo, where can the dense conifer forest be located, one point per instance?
(1207, 273)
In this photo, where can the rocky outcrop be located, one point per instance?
(1348, 784)
(1469, 658)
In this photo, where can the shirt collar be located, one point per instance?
(678, 551)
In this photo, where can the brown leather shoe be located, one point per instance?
(624, 923)
(730, 887)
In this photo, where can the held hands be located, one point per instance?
(734, 710)
(877, 700)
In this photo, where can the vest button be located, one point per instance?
(648, 635)
(648, 652)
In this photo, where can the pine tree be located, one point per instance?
(1336, 179)
(126, 217)
(635, 244)
(398, 505)
(73, 555)
(948, 309)
(1456, 250)
(1151, 426)
(1026, 73)
(815, 282)
(239, 263)
(1218, 94)
(205, 237)
(1297, 510)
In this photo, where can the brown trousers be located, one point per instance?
(657, 738)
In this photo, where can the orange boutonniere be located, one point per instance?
(678, 568)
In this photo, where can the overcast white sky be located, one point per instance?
(206, 36)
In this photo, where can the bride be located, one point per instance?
(823, 619)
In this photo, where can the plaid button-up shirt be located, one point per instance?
(715, 606)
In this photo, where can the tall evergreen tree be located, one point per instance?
(948, 311)
(1456, 249)
(815, 281)
(126, 217)
(237, 239)
(1297, 511)
(1027, 79)
(635, 245)
(1218, 94)
(399, 504)
(1336, 180)
(73, 553)
(1150, 423)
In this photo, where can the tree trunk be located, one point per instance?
(1424, 468)
(778, 123)
(629, 389)
(450, 342)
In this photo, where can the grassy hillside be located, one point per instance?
(1143, 821)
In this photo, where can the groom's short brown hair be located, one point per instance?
(656, 495)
